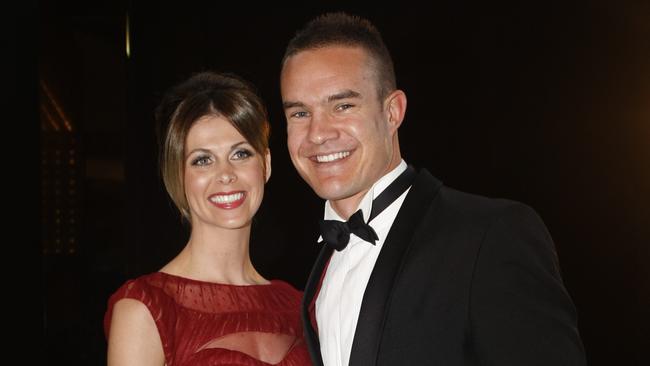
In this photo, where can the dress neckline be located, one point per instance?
(186, 279)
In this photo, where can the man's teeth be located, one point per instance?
(332, 157)
(229, 198)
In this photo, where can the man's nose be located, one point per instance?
(321, 129)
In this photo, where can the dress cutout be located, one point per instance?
(210, 324)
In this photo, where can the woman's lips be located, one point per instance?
(228, 200)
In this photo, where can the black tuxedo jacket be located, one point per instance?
(460, 280)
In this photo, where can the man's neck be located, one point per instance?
(348, 206)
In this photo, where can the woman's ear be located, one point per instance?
(267, 162)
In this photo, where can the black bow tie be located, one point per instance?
(337, 233)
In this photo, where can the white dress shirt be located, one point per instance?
(339, 299)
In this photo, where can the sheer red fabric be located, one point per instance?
(208, 324)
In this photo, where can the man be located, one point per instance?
(439, 276)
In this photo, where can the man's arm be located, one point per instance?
(520, 311)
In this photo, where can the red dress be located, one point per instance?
(209, 324)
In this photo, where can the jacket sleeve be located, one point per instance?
(520, 312)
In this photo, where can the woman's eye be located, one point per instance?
(201, 160)
(242, 154)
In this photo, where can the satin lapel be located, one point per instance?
(310, 290)
(377, 295)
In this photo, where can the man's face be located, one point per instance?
(340, 135)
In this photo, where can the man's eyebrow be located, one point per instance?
(291, 104)
(338, 96)
(344, 95)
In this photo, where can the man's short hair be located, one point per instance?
(342, 29)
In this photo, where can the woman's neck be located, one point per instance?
(216, 255)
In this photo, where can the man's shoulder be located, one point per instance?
(475, 202)
(474, 205)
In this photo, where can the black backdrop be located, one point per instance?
(546, 103)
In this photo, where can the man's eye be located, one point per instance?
(299, 114)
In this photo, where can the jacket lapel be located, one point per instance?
(376, 297)
(311, 288)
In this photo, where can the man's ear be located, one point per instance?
(395, 109)
(267, 162)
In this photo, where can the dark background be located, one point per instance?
(545, 103)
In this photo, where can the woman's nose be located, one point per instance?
(227, 176)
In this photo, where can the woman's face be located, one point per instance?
(224, 176)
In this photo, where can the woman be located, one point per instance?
(208, 305)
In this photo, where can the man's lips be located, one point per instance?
(331, 157)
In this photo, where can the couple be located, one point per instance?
(411, 272)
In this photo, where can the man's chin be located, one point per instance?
(334, 192)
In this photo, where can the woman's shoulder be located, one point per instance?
(282, 285)
(148, 296)
(138, 288)
(283, 291)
